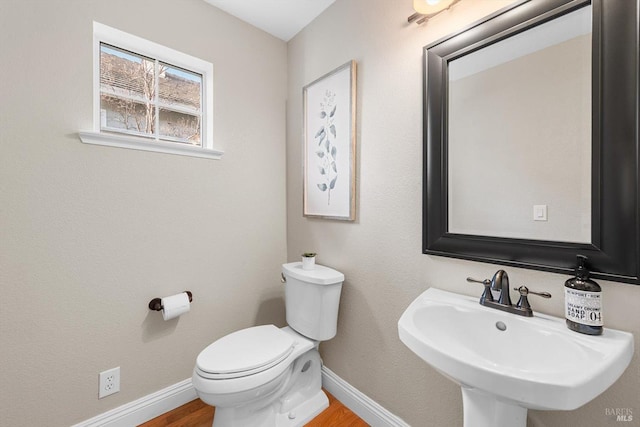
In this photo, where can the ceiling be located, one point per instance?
(281, 18)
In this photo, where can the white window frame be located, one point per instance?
(105, 34)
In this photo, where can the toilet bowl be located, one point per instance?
(265, 376)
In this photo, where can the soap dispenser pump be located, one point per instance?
(583, 301)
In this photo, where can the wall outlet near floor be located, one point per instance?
(109, 382)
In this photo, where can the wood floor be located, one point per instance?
(199, 414)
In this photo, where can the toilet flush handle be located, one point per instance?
(282, 278)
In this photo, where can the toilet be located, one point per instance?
(265, 376)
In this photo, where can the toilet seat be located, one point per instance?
(221, 384)
(245, 352)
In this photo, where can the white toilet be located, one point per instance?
(269, 377)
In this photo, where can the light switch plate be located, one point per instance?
(540, 212)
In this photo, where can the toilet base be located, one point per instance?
(296, 417)
(304, 412)
(297, 402)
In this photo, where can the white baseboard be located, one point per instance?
(165, 400)
(145, 408)
(363, 406)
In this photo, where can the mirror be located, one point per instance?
(531, 146)
(533, 151)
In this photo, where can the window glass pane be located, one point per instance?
(125, 74)
(122, 114)
(180, 127)
(140, 95)
(179, 89)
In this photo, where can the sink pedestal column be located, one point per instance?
(484, 410)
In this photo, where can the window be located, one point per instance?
(150, 97)
(145, 97)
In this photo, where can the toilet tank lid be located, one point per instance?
(320, 275)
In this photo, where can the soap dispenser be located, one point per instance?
(583, 301)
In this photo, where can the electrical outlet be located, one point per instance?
(109, 382)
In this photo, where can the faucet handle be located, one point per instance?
(486, 295)
(484, 282)
(523, 302)
(524, 291)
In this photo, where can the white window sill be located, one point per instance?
(134, 143)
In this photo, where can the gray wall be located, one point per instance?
(380, 253)
(90, 234)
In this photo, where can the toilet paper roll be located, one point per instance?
(175, 305)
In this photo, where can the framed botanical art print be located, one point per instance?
(330, 145)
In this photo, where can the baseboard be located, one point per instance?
(363, 406)
(145, 408)
(165, 400)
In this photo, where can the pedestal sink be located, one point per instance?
(507, 364)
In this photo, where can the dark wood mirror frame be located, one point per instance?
(614, 253)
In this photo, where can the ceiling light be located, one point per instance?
(425, 9)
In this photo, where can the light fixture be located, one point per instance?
(426, 9)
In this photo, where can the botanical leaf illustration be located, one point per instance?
(326, 160)
(333, 182)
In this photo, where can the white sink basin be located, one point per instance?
(536, 362)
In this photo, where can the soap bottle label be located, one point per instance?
(583, 307)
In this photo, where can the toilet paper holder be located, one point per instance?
(156, 303)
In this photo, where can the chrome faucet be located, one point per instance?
(500, 282)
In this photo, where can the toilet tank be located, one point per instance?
(312, 298)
